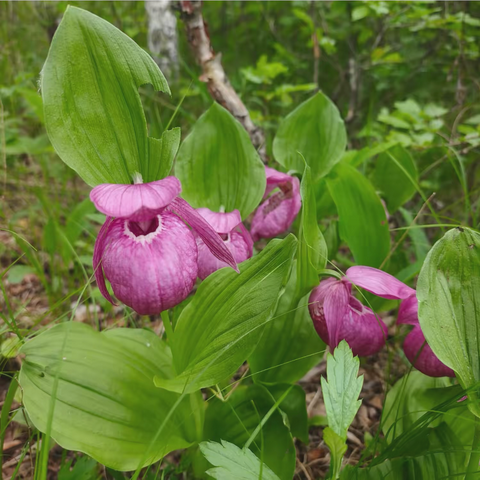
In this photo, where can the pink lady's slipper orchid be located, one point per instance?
(337, 315)
(275, 215)
(236, 237)
(146, 251)
(418, 352)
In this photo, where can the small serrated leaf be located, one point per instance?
(234, 463)
(341, 391)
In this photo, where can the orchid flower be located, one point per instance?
(337, 315)
(144, 247)
(233, 233)
(275, 215)
(416, 349)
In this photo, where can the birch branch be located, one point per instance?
(213, 73)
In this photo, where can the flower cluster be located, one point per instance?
(152, 259)
(337, 315)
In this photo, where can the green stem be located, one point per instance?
(167, 325)
(473, 468)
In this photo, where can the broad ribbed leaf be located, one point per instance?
(341, 391)
(218, 165)
(448, 293)
(290, 346)
(233, 463)
(101, 392)
(395, 177)
(314, 129)
(363, 222)
(236, 419)
(93, 112)
(312, 249)
(223, 323)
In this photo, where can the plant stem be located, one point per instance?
(167, 325)
(473, 468)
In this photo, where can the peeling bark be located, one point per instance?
(213, 73)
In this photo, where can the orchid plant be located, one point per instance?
(180, 235)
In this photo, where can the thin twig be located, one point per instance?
(213, 73)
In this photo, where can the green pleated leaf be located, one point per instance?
(341, 391)
(395, 177)
(363, 222)
(162, 154)
(93, 112)
(222, 325)
(236, 419)
(448, 293)
(218, 165)
(316, 130)
(290, 346)
(312, 249)
(97, 391)
(233, 463)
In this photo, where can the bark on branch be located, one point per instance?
(213, 73)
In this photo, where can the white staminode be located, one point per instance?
(137, 178)
(143, 239)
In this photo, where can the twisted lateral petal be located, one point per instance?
(421, 356)
(207, 263)
(150, 272)
(247, 238)
(335, 308)
(316, 304)
(221, 222)
(98, 250)
(275, 215)
(137, 202)
(408, 311)
(379, 283)
(202, 228)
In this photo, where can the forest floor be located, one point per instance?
(312, 459)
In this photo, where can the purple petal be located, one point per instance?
(246, 237)
(154, 272)
(421, 356)
(275, 215)
(211, 238)
(274, 179)
(364, 331)
(327, 330)
(98, 251)
(408, 311)
(221, 222)
(335, 309)
(207, 263)
(379, 283)
(337, 315)
(138, 202)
